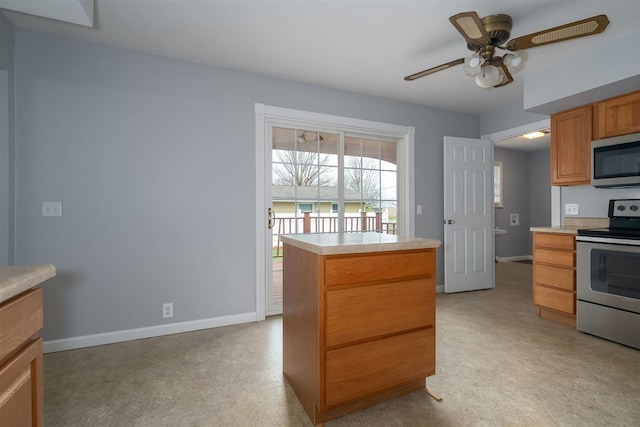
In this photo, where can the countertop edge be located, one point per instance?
(562, 230)
(362, 247)
(16, 279)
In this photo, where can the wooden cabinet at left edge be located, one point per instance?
(21, 393)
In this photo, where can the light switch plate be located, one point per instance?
(51, 208)
(514, 219)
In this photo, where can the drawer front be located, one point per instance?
(555, 298)
(369, 311)
(566, 259)
(563, 278)
(555, 241)
(21, 318)
(386, 266)
(365, 369)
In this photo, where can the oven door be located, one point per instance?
(609, 274)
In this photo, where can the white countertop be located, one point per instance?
(16, 279)
(335, 243)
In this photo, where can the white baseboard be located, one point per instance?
(439, 288)
(513, 258)
(148, 332)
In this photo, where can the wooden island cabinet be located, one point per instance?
(358, 319)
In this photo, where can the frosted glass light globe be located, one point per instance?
(488, 77)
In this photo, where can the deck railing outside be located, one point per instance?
(329, 224)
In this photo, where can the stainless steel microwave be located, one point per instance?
(615, 162)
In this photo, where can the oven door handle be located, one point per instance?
(610, 240)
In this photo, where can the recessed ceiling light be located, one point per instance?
(534, 135)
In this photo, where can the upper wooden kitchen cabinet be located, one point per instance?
(617, 116)
(571, 146)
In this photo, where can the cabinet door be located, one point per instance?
(571, 147)
(617, 116)
(21, 394)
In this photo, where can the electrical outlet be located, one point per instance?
(167, 310)
(51, 208)
(571, 209)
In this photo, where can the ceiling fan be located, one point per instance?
(485, 35)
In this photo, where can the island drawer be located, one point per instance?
(24, 314)
(363, 312)
(383, 267)
(356, 371)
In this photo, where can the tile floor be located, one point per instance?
(497, 365)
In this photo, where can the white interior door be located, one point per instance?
(468, 214)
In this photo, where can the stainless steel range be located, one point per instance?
(608, 276)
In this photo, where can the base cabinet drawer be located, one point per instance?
(556, 299)
(547, 256)
(359, 370)
(388, 267)
(557, 277)
(364, 312)
(555, 241)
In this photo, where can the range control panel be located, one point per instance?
(624, 208)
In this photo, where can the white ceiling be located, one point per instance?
(360, 46)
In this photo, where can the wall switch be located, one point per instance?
(419, 210)
(514, 219)
(571, 209)
(51, 208)
(167, 310)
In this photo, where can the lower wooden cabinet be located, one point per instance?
(358, 329)
(554, 276)
(21, 393)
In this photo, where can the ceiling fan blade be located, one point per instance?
(572, 30)
(471, 28)
(434, 69)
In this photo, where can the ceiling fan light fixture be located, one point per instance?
(488, 77)
(514, 61)
(473, 64)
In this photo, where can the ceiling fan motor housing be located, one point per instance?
(499, 29)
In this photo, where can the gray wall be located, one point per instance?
(594, 202)
(6, 141)
(526, 191)
(153, 159)
(515, 194)
(507, 118)
(540, 188)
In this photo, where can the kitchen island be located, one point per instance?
(21, 393)
(358, 319)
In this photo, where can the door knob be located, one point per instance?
(450, 221)
(271, 218)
